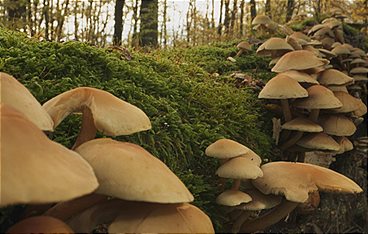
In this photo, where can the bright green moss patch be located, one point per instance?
(188, 108)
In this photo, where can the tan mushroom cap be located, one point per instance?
(338, 88)
(127, 171)
(359, 70)
(315, 28)
(282, 87)
(239, 168)
(35, 169)
(40, 224)
(14, 94)
(349, 103)
(301, 35)
(156, 218)
(327, 53)
(334, 77)
(337, 125)
(319, 97)
(296, 180)
(274, 44)
(335, 44)
(300, 76)
(358, 78)
(298, 60)
(358, 51)
(112, 116)
(358, 61)
(233, 198)
(244, 45)
(345, 145)
(253, 157)
(318, 141)
(362, 109)
(261, 19)
(260, 201)
(340, 50)
(302, 124)
(225, 149)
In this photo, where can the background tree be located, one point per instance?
(118, 26)
(149, 23)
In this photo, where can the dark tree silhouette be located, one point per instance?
(149, 23)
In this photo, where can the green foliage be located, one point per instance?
(298, 26)
(188, 108)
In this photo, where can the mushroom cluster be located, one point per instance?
(281, 186)
(100, 181)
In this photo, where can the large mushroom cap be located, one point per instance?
(296, 180)
(318, 141)
(337, 125)
(334, 77)
(302, 124)
(239, 168)
(156, 218)
(261, 19)
(243, 45)
(40, 224)
(274, 44)
(14, 94)
(282, 87)
(319, 97)
(301, 77)
(225, 149)
(129, 172)
(111, 115)
(298, 60)
(349, 103)
(35, 169)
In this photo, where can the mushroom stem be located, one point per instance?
(236, 184)
(270, 218)
(65, 210)
(88, 129)
(314, 114)
(222, 181)
(240, 220)
(286, 109)
(292, 140)
(240, 52)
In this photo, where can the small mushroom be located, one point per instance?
(243, 47)
(40, 224)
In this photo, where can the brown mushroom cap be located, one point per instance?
(349, 103)
(111, 115)
(337, 125)
(302, 124)
(14, 94)
(296, 180)
(319, 97)
(358, 61)
(156, 218)
(298, 60)
(362, 109)
(40, 224)
(253, 157)
(35, 169)
(225, 149)
(239, 168)
(261, 19)
(318, 141)
(340, 50)
(301, 35)
(300, 77)
(244, 46)
(260, 201)
(334, 77)
(274, 44)
(282, 87)
(327, 53)
(345, 145)
(232, 198)
(359, 70)
(338, 88)
(129, 172)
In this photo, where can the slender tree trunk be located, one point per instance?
(164, 28)
(233, 16)
(135, 37)
(219, 29)
(47, 19)
(241, 23)
(62, 20)
(253, 9)
(76, 24)
(268, 9)
(213, 14)
(194, 17)
(149, 23)
(227, 17)
(118, 26)
(289, 9)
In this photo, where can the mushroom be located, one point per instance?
(337, 125)
(36, 169)
(243, 47)
(295, 181)
(40, 224)
(101, 111)
(301, 77)
(14, 94)
(276, 47)
(318, 141)
(332, 77)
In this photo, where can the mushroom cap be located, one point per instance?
(338, 88)
(112, 116)
(232, 198)
(40, 224)
(127, 171)
(358, 78)
(301, 35)
(318, 141)
(300, 76)
(239, 168)
(340, 50)
(327, 53)
(158, 218)
(35, 169)
(243, 45)
(334, 77)
(362, 109)
(302, 124)
(298, 60)
(225, 149)
(359, 70)
(345, 144)
(349, 103)
(282, 87)
(337, 125)
(261, 19)
(296, 180)
(272, 44)
(260, 201)
(14, 94)
(358, 61)
(319, 97)
(315, 28)
(253, 157)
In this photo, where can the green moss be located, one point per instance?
(188, 108)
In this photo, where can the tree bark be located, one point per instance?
(241, 24)
(289, 10)
(219, 29)
(118, 26)
(253, 9)
(233, 16)
(149, 23)
(227, 17)
(268, 9)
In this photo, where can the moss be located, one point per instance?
(188, 108)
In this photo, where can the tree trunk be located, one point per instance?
(253, 9)
(164, 28)
(47, 18)
(118, 26)
(17, 11)
(241, 23)
(149, 23)
(268, 9)
(213, 14)
(227, 17)
(76, 24)
(135, 36)
(233, 16)
(289, 10)
(219, 29)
